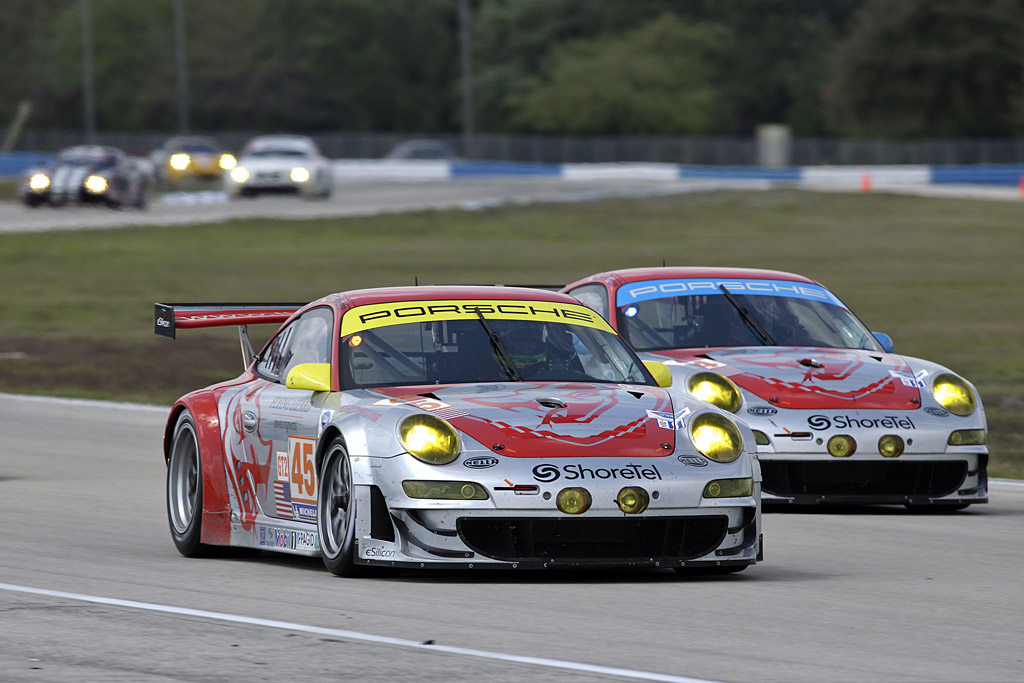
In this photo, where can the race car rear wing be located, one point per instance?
(171, 317)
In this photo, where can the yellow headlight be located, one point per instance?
(573, 501)
(953, 394)
(39, 182)
(716, 389)
(633, 500)
(890, 446)
(716, 437)
(227, 162)
(179, 162)
(239, 174)
(429, 439)
(842, 446)
(967, 437)
(729, 488)
(444, 490)
(96, 184)
(299, 174)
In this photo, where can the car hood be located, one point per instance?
(553, 420)
(274, 163)
(806, 378)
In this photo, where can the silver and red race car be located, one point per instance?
(468, 427)
(838, 417)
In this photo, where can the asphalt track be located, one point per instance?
(92, 589)
(369, 197)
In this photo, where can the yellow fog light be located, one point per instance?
(842, 446)
(761, 439)
(573, 501)
(967, 437)
(429, 439)
(299, 174)
(179, 162)
(444, 490)
(953, 394)
(633, 500)
(715, 389)
(227, 162)
(890, 446)
(39, 182)
(239, 174)
(729, 488)
(96, 184)
(716, 437)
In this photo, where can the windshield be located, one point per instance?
(793, 314)
(461, 351)
(277, 152)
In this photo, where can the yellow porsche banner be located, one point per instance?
(398, 312)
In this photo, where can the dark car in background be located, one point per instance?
(89, 174)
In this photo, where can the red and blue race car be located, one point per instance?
(837, 415)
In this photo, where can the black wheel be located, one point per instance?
(710, 571)
(336, 511)
(185, 489)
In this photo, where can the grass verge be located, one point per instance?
(944, 277)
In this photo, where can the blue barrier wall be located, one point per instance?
(17, 163)
(982, 174)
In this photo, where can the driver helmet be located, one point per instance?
(526, 346)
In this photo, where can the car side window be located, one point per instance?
(306, 340)
(593, 296)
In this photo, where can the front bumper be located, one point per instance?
(946, 479)
(528, 539)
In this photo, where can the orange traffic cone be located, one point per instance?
(1022, 186)
(865, 182)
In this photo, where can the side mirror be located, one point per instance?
(885, 340)
(310, 376)
(662, 375)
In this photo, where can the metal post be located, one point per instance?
(89, 94)
(182, 64)
(467, 79)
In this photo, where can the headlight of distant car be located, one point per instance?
(39, 182)
(96, 184)
(227, 162)
(239, 174)
(300, 174)
(429, 439)
(716, 437)
(953, 394)
(179, 162)
(715, 389)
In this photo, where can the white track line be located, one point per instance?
(355, 635)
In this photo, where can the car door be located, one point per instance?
(283, 424)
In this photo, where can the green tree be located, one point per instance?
(929, 68)
(658, 78)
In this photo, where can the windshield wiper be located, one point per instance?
(503, 354)
(766, 339)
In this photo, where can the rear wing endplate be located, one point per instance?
(169, 318)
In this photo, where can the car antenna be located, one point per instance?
(416, 280)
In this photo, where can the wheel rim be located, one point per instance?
(336, 502)
(183, 478)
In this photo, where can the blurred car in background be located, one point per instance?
(421, 149)
(838, 417)
(186, 156)
(280, 163)
(89, 174)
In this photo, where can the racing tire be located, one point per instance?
(185, 489)
(336, 512)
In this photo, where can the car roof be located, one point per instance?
(615, 278)
(360, 297)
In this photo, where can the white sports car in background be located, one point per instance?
(280, 163)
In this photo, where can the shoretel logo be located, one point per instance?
(823, 422)
(547, 472)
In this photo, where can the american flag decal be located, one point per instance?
(283, 499)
